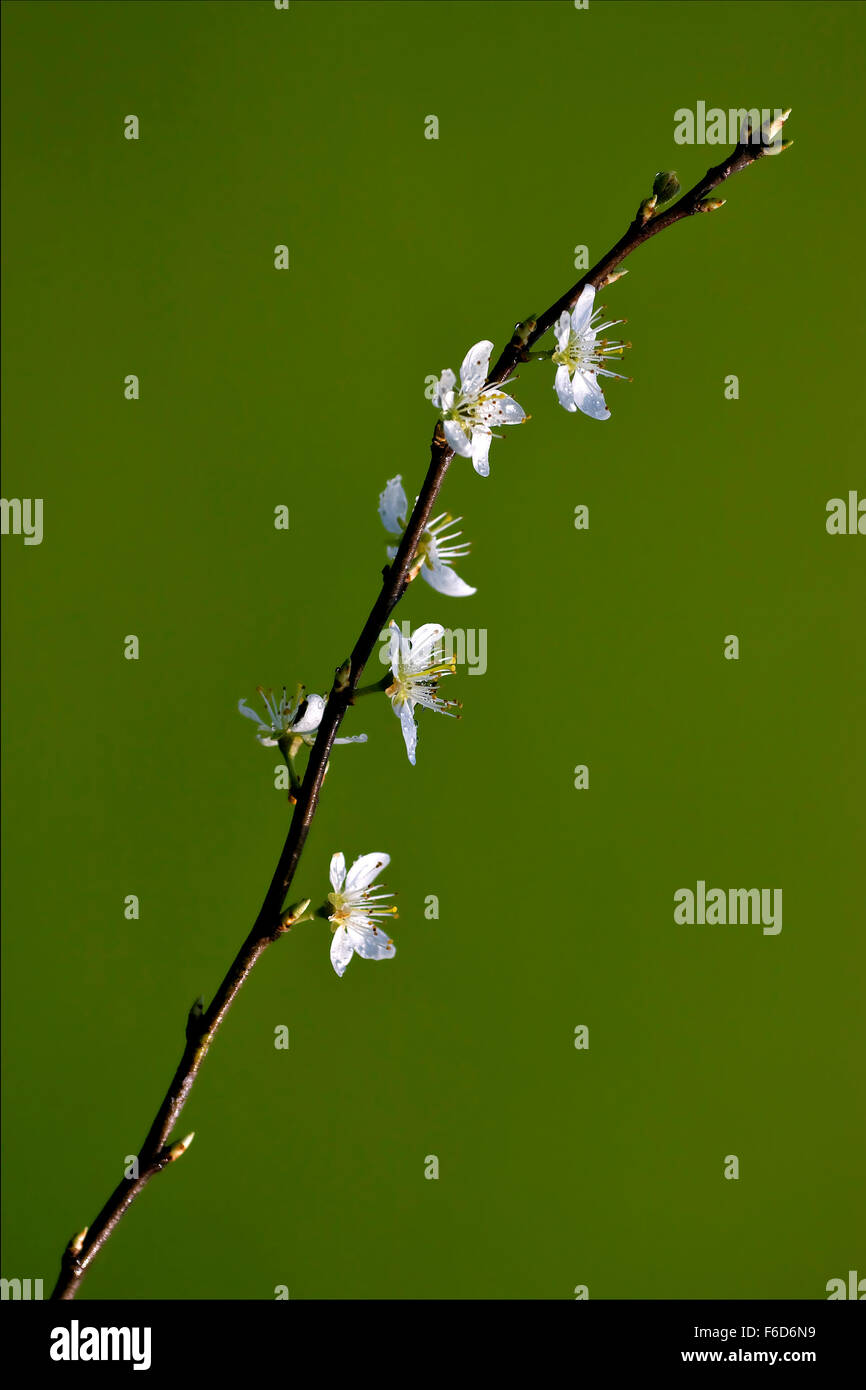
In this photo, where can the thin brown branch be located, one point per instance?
(156, 1151)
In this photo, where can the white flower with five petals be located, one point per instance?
(469, 413)
(417, 665)
(285, 718)
(581, 357)
(356, 908)
(435, 552)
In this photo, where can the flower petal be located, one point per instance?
(457, 438)
(365, 868)
(337, 870)
(473, 372)
(562, 329)
(446, 382)
(442, 578)
(424, 639)
(396, 651)
(582, 311)
(480, 451)
(410, 733)
(341, 950)
(405, 643)
(392, 506)
(588, 397)
(353, 738)
(562, 387)
(250, 714)
(510, 411)
(373, 945)
(312, 716)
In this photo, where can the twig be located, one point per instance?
(156, 1152)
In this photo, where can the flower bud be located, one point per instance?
(772, 128)
(613, 277)
(76, 1245)
(177, 1150)
(294, 914)
(666, 185)
(523, 332)
(646, 209)
(777, 149)
(711, 204)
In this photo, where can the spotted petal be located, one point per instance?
(373, 944)
(505, 411)
(365, 868)
(588, 397)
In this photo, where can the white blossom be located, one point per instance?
(417, 665)
(435, 552)
(356, 908)
(581, 357)
(285, 718)
(468, 413)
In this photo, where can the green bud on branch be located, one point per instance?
(76, 1245)
(295, 914)
(666, 186)
(523, 332)
(178, 1150)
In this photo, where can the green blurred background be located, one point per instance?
(305, 388)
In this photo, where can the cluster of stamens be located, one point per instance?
(586, 352)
